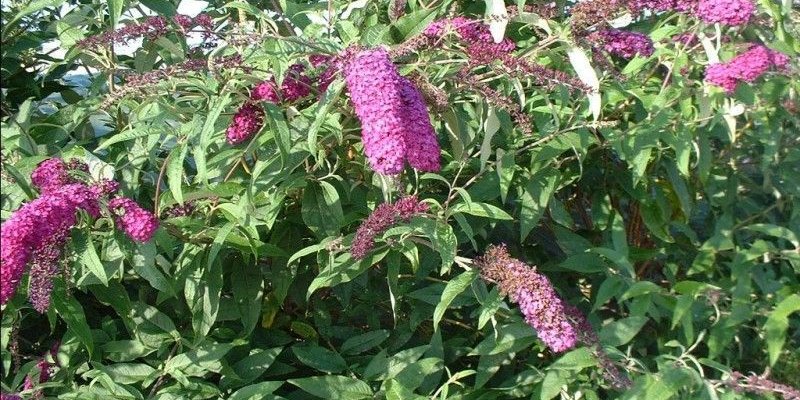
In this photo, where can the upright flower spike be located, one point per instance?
(422, 147)
(138, 223)
(535, 295)
(395, 123)
(374, 86)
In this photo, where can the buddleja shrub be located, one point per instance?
(400, 200)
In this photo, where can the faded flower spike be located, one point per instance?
(384, 216)
(535, 295)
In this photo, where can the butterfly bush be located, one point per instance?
(36, 234)
(533, 293)
(626, 44)
(138, 223)
(384, 216)
(549, 179)
(726, 12)
(395, 124)
(747, 66)
(247, 121)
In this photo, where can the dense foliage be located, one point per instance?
(400, 200)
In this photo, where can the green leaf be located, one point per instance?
(397, 391)
(205, 358)
(361, 343)
(413, 23)
(577, 359)
(552, 383)
(334, 387)
(490, 126)
(32, 7)
(205, 306)
(343, 270)
(143, 260)
(482, 210)
(622, 331)
(321, 113)
(586, 73)
(219, 240)
(72, 313)
(453, 289)
(618, 235)
(320, 358)
(175, 171)
(322, 209)
(125, 135)
(534, 199)
(254, 365)
(777, 324)
(508, 339)
(280, 130)
(248, 290)
(256, 391)
(85, 248)
(640, 289)
(162, 7)
(442, 238)
(612, 286)
(130, 373)
(776, 231)
(114, 11)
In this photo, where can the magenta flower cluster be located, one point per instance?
(138, 223)
(384, 216)
(535, 295)
(726, 12)
(36, 234)
(394, 119)
(295, 86)
(475, 35)
(247, 121)
(626, 44)
(747, 66)
(45, 369)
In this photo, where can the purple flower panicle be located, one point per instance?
(384, 216)
(626, 44)
(726, 12)
(296, 85)
(247, 121)
(422, 153)
(50, 174)
(152, 28)
(747, 66)
(138, 223)
(535, 295)
(266, 91)
(395, 123)
(475, 35)
(37, 232)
